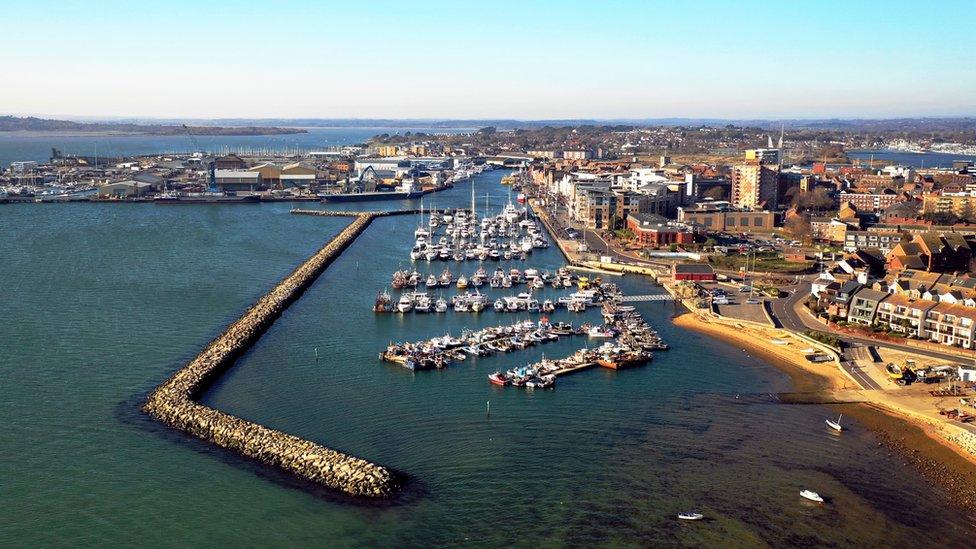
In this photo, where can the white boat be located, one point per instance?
(835, 425)
(690, 516)
(811, 495)
(440, 306)
(405, 303)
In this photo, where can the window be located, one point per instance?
(757, 222)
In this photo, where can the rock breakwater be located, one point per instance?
(173, 402)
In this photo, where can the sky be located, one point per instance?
(500, 59)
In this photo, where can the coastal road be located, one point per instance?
(787, 314)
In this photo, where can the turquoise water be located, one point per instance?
(104, 301)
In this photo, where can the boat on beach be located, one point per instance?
(811, 495)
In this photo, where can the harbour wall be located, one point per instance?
(173, 402)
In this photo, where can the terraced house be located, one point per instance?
(904, 314)
(864, 305)
(950, 324)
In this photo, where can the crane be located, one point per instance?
(211, 163)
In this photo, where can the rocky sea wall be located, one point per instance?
(173, 402)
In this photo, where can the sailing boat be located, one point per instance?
(835, 425)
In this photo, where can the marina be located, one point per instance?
(599, 425)
(440, 352)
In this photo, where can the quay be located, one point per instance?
(173, 402)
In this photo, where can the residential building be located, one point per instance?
(871, 201)
(657, 231)
(933, 252)
(754, 185)
(884, 241)
(904, 314)
(950, 324)
(962, 205)
(864, 305)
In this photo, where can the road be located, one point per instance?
(786, 315)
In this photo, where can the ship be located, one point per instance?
(206, 198)
(368, 197)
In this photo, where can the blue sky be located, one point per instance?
(486, 60)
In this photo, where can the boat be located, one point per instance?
(404, 304)
(423, 304)
(440, 306)
(689, 515)
(383, 304)
(811, 495)
(371, 196)
(462, 282)
(499, 305)
(206, 198)
(835, 425)
(498, 379)
(599, 331)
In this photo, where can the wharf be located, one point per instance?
(572, 369)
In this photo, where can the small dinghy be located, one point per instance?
(835, 425)
(811, 495)
(691, 516)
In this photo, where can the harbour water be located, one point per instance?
(37, 145)
(104, 301)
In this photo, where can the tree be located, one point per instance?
(799, 227)
(710, 242)
(941, 218)
(716, 193)
(818, 200)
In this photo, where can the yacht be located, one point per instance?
(499, 305)
(422, 304)
(440, 306)
(404, 304)
(835, 425)
(462, 282)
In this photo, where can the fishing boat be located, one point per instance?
(599, 331)
(384, 303)
(498, 378)
(811, 495)
(440, 306)
(690, 515)
(499, 305)
(835, 425)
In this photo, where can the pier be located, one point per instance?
(173, 402)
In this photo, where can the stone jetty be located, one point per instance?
(173, 401)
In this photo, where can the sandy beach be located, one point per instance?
(922, 441)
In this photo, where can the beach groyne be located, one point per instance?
(173, 402)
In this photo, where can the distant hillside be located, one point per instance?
(30, 123)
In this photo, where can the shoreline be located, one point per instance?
(929, 452)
